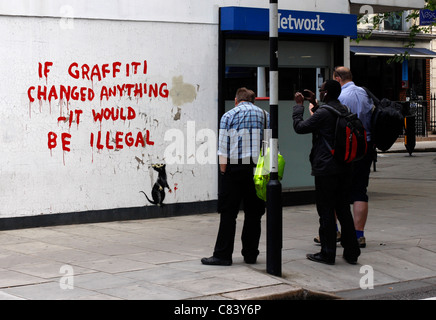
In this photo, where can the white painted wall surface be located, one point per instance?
(193, 11)
(35, 180)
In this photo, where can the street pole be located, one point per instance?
(274, 188)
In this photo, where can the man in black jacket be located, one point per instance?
(332, 179)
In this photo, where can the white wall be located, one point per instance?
(178, 40)
(35, 179)
(194, 11)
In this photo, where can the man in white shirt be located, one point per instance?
(358, 101)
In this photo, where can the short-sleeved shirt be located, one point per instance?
(357, 100)
(241, 131)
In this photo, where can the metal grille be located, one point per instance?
(432, 115)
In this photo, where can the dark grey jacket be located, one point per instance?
(321, 124)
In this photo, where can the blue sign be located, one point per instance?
(405, 70)
(241, 19)
(427, 17)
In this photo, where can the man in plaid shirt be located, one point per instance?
(241, 133)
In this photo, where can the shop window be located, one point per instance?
(416, 79)
(246, 59)
(290, 81)
(384, 79)
(394, 22)
(237, 77)
(296, 79)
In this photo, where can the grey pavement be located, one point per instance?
(159, 259)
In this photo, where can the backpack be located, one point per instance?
(387, 122)
(350, 137)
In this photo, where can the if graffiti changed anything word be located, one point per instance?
(96, 73)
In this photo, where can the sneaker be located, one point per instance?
(338, 238)
(362, 242)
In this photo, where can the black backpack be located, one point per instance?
(350, 137)
(387, 122)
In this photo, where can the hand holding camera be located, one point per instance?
(308, 95)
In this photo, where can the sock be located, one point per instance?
(359, 234)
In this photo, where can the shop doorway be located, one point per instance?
(257, 79)
(302, 65)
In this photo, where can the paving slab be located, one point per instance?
(159, 259)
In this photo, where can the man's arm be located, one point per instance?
(223, 164)
(222, 145)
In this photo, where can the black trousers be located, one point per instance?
(333, 195)
(236, 187)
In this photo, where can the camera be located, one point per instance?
(305, 94)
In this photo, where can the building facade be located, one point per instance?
(101, 101)
(373, 63)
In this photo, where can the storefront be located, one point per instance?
(373, 67)
(311, 44)
(398, 81)
(376, 61)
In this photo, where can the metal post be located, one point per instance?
(261, 85)
(274, 188)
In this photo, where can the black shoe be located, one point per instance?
(350, 260)
(317, 257)
(250, 260)
(214, 261)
